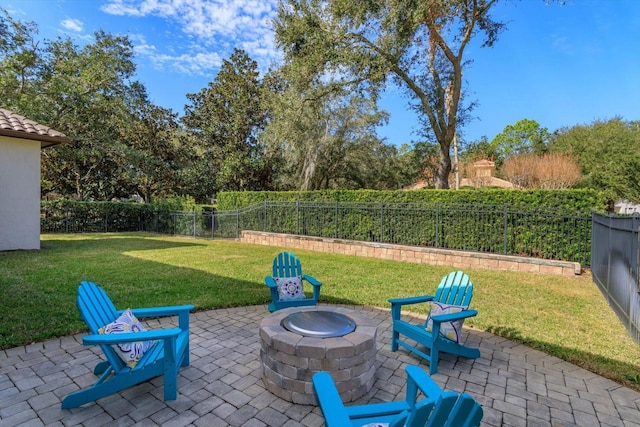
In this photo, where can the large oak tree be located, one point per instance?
(418, 43)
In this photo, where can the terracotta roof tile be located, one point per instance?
(15, 125)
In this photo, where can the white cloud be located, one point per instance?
(119, 8)
(72, 25)
(192, 63)
(215, 24)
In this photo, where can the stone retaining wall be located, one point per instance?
(415, 254)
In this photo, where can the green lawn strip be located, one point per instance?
(564, 316)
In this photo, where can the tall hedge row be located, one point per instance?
(575, 200)
(70, 216)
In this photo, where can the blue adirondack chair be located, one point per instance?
(287, 266)
(454, 289)
(167, 354)
(438, 409)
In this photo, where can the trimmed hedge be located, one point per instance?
(575, 200)
(69, 216)
(542, 224)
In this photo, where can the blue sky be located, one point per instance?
(558, 65)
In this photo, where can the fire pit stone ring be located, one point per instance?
(289, 358)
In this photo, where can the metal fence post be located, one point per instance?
(237, 223)
(336, 220)
(506, 222)
(297, 216)
(381, 222)
(264, 216)
(437, 225)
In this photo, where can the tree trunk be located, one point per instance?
(444, 168)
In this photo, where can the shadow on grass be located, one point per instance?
(124, 241)
(38, 288)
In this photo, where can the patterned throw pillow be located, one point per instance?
(129, 352)
(449, 330)
(289, 288)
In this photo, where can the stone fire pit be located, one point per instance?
(298, 342)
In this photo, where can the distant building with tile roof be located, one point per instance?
(21, 140)
(479, 174)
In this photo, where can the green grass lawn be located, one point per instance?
(565, 317)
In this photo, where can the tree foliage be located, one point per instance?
(608, 153)
(120, 143)
(479, 150)
(524, 137)
(328, 141)
(359, 45)
(225, 120)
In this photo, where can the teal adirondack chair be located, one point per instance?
(287, 266)
(169, 351)
(438, 409)
(455, 289)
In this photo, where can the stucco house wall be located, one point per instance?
(19, 194)
(21, 140)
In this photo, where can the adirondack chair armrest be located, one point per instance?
(131, 337)
(270, 282)
(338, 415)
(411, 300)
(420, 380)
(454, 316)
(312, 280)
(161, 311)
(334, 411)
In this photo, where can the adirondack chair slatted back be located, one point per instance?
(286, 264)
(97, 310)
(445, 403)
(467, 412)
(95, 306)
(450, 409)
(455, 288)
(426, 405)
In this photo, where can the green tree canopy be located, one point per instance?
(120, 144)
(608, 153)
(360, 45)
(524, 137)
(327, 141)
(225, 119)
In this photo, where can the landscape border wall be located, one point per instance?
(414, 254)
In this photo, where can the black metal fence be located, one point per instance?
(614, 265)
(503, 229)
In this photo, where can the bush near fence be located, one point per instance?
(523, 229)
(71, 216)
(554, 234)
(572, 199)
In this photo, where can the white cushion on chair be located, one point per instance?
(129, 352)
(289, 288)
(449, 330)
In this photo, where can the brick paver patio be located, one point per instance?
(516, 386)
